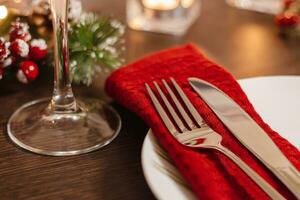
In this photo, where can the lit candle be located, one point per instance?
(19, 7)
(161, 4)
(3, 12)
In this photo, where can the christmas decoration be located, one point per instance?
(28, 71)
(38, 49)
(288, 20)
(7, 62)
(19, 48)
(14, 55)
(5, 54)
(19, 30)
(4, 49)
(95, 44)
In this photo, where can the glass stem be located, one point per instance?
(63, 100)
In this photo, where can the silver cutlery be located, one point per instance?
(197, 134)
(249, 133)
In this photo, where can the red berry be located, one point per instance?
(287, 3)
(4, 49)
(19, 30)
(28, 71)
(285, 21)
(38, 49)
(19, 48)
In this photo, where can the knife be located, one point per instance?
(249, 133)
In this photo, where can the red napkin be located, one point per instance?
(210, 174)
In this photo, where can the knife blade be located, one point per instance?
(249, 133)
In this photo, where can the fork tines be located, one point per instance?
(192, 120)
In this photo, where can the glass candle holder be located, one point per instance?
(162, 16)
(266, 6)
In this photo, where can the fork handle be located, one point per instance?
(272, 193)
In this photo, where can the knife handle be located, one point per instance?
(265, 186)
(290, 177)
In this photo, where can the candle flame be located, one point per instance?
(161, 4)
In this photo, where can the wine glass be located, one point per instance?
(63, 126)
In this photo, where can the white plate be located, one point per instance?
(275, 98)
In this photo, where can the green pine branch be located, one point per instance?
(93, 46)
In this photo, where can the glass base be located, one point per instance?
(32, 127)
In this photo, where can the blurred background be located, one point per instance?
(247, 43)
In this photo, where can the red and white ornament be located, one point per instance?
(19, 48)
(38, 49)
(4, 49)
(287, 3)
(7, 62)
(19, 30)
(28, 71)
(287, 20)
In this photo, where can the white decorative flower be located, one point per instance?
(75, 8)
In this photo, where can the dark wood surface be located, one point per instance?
(246, 43)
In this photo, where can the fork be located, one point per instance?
(191, 130)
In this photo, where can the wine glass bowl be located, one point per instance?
(62, 125)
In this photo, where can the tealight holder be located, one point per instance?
(266, 6)
(162, 16)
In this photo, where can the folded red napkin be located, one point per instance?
(210, 174)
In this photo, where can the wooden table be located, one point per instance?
(246, 43)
